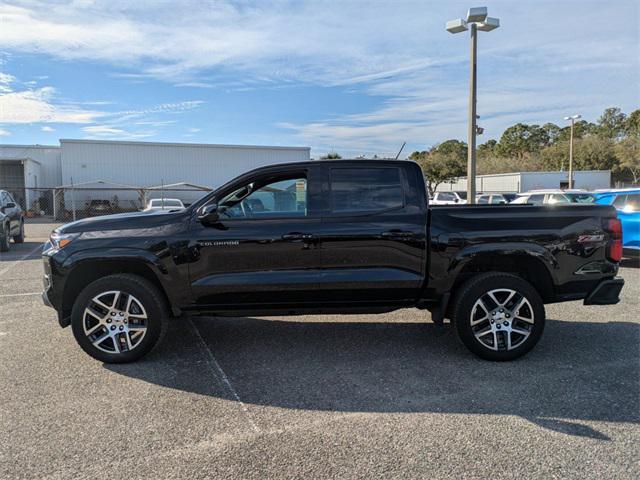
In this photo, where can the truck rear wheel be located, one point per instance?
(498, 316)
(119, 318)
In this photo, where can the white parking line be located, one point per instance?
(5, 295)
(19, 259)
(215, 366)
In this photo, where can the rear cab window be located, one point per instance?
(366, 190)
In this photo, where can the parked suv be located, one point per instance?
(491, 199)
(11, 221)
(96, 208)
(553, 197)
(449, 198)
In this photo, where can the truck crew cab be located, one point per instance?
(348, 236)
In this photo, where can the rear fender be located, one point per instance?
(515, 256)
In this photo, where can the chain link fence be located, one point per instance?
(65, 204)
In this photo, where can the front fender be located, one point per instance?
(163, 269)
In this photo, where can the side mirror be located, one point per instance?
(456, 200)
(209, 214)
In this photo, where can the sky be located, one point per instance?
(354, 77)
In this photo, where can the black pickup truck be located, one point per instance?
(352, 236)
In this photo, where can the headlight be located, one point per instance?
(61, 240)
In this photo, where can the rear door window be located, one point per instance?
(483, 199)
(537, 199)
(355, 190)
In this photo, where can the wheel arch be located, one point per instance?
(530, 265)
(88, 270)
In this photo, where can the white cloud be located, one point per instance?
(115, 132)
(4, 133)
(398, 53)
(33, 106)
(5, 81)
(103, 130)
(48, 129)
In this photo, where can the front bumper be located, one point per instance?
(45, 299)
(607, 292)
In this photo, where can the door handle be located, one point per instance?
(296, 236)
(398, 235)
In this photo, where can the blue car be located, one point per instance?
(627, 203)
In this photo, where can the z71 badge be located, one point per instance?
(590, 238)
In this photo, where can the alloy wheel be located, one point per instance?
(502, 319)
(115, 322)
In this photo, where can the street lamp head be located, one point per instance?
(489, 24)
(477, 14)
(573, 117)
(456, 26)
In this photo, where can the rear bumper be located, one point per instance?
(607, 292)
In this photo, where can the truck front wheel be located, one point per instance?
(119, 318)
(498, 316)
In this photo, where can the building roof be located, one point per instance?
(98, 184)
(4, 145)
(180, 184)
(170, 144)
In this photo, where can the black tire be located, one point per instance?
(145, 293)
(497, 340)
(20, 237)
(4, 239)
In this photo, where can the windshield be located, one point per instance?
(462, 195)
(581, 197)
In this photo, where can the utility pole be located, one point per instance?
(477, 19)
(473, 90)
(573, 118)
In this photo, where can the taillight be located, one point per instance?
(613, 226)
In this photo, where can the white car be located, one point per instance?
(449, 198)
(554, 196)
(156, 204)
(491, 199)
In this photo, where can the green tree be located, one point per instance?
(628, 154)
(455, 148)
(553, 132)
(581, 129)
(632, 124)
(589, 153)
(331, 156)
(487, 149)
(442, 163)
(611, 123)
(521, 140)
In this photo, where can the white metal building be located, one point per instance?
(140, 164)
(525, 181)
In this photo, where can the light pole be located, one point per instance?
(573, 118)
(476, 20)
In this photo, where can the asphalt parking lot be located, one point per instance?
(315, 397)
